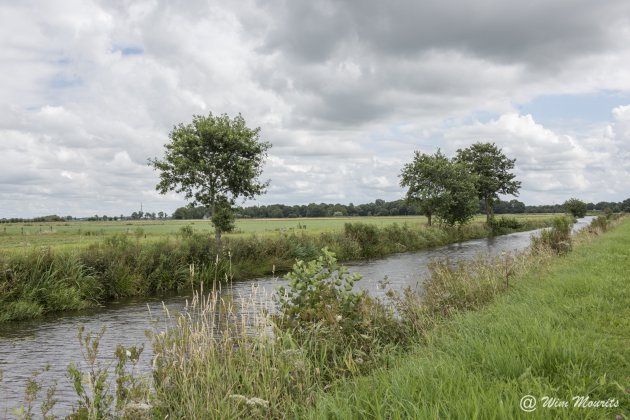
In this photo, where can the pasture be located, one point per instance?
(76, 234)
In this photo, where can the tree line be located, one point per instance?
(281, 211)
(380, 208)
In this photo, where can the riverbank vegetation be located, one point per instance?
(478, 337)
(561, 336)
(42, 280)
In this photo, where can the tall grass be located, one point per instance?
(228, 359)
(323, 333)
(45, 280)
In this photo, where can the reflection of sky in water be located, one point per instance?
(26, 346)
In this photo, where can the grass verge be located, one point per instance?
(561, 335)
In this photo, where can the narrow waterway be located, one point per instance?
(31, 345)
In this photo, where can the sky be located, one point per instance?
(345, 91)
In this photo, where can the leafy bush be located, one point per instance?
(503, 224)
(575, 207)
(318, 291)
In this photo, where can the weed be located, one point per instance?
(96, 399)
(557, 238)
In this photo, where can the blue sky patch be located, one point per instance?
(554, 110)
(130, 50)
(63, 82)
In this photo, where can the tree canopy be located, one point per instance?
(575, 207)
(423, 177)
(493, 173)
(213, 161)
(442, 187)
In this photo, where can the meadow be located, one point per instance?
(75, 234)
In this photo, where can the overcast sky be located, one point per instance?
(344, 90)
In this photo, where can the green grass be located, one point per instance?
(562, 332)
(68, 235)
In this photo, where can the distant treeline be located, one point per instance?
(377, 208)
(49, 218)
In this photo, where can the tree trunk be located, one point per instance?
(489, 209)
(429, 217)
(217, 238)
(217, 229)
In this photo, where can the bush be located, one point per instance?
(318, 291)
(557, 238)
(575, 207)
(342, 330)
(366, 235)
(503, 225)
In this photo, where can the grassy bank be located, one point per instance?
(42, 280)
(561, 332)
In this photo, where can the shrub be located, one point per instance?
(575, 207)
(366, 235)
(503, 225)
(318, 291)
(342, 330)
(557, 238)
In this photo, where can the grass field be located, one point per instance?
(15, 236)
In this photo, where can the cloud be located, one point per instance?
(555, 166)
(346, 91)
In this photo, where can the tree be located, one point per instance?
(423, 176)
(576, 207)
(442, 187)
(214, 161)
(459, 201)
(492, 169)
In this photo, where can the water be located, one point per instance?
(27, 346)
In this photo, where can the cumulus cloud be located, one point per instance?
(344, 90)
(553, 166)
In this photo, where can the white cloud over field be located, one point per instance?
(345, 91)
